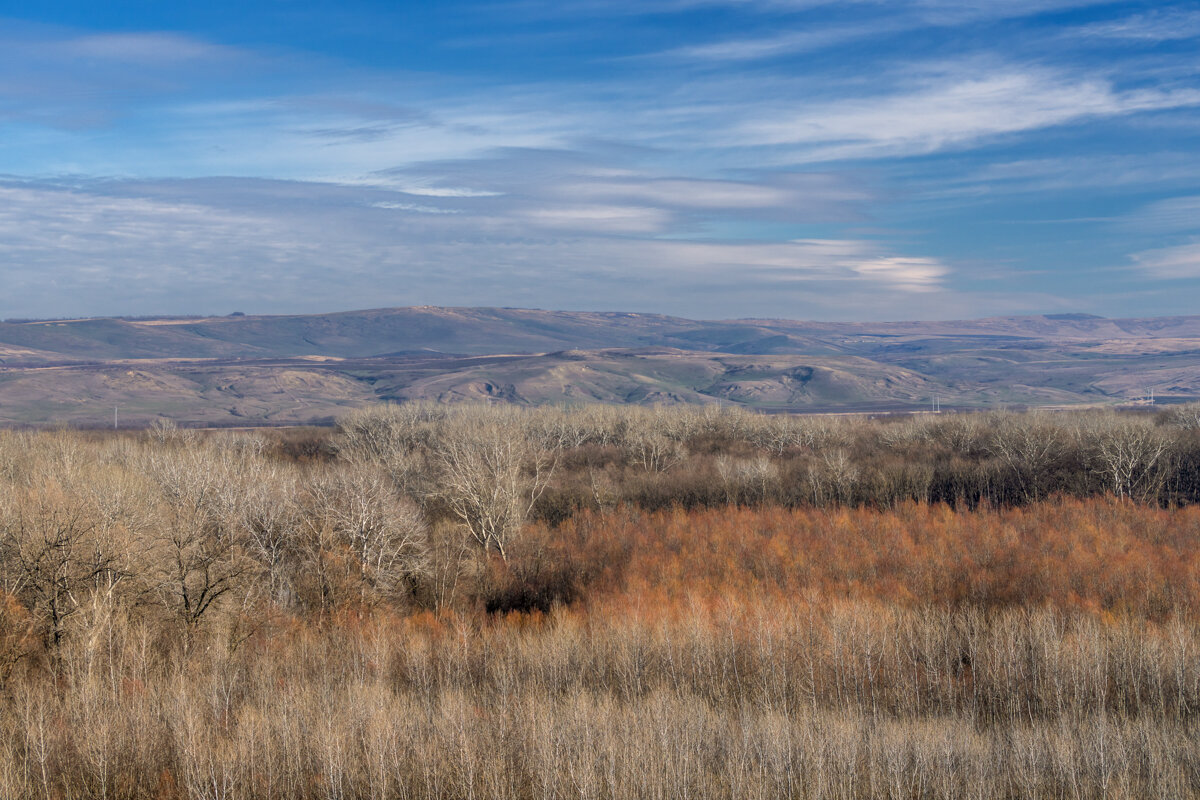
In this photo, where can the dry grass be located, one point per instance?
(847, 699)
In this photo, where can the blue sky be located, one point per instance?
(709, 158)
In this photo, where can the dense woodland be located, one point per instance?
(604, 602)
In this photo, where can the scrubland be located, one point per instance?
(605, 603)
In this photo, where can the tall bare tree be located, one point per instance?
(1132, 456)
(1026, 445)
(52, 557)
(385, 534)
(490, 471)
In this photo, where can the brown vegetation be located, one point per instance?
(603, 603)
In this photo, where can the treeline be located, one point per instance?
(606, 456)
(602, 603)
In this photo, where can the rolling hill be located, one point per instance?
(252, 370)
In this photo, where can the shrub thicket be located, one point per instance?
(444, 603)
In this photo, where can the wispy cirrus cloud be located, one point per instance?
(766, 156)
(801, 40)
(942, 11)
(1161, 171)
(68, 80)
(607, 219)
(1160, 25)
(687, 193)
(184, 246)
(154, 48)
(563, 187)
(880, 19)
(1171, 215)
(1173, 225)
(959, 12)
(1170, 263)
(952, 110)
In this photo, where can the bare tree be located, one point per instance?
(746, 479)
(385, 534)
(561, 428)
(270, 520)
(18, 635)
(198, 567)
(1026, 445)
(165, 431)
(1185, 417)
(653, 450)
(52, 557)
(489, 474)
(393, 437)
(834, 477)
(1132, 456)
(778, 433)
(199, 552)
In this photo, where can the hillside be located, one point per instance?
(293, 369)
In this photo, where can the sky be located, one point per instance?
(856, 160)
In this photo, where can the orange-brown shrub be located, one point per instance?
(1100, 555)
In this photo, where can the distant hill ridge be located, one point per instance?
(253, 370)
(479, 331)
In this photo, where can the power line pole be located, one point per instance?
(115, 417)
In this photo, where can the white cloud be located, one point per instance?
(71, 82)
(145, 48)
(911, 274)
(883, 18)
(601, 219)
(956, 12)
(942, 11)
(417, 207)
(701, 194)
(791, 42)
(1155, 26)
(192, 246)
(803, 260)
(1180, 261)
(63, 251)
(1171, 215)
(433, 191)
(1160, 170)
(952, 111)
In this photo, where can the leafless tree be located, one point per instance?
(52, 557)
(385, 534)
(833, 477)
(489, 474)
(778, 433)
(393, 437)
(653, 450)
(749, 480)
(165, 431)
(199, 550)
(198, 567)
(1185, 417)
(1132, 456)
(270, 519)
(18, 635)
(1026, 445)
